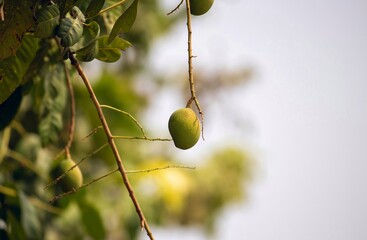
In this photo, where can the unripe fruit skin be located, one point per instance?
(73, 179)
(199, 7)
(184, 127)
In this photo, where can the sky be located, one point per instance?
(307, 105)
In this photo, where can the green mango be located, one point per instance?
(73, 179)
(184, 127)
(199, 7)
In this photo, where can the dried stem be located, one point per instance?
(143, 221)
(191, 72)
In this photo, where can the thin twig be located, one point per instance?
(112, 6)
(159, 168)
(79, 188)
(176, 8)
(127, 114)
(8, 191)
(191, 73)
(72, 111)
(144, 223)
(112, 172)
(94, 131)
(76, 164)
(141, 138)
(18, 127)
(44, 206)
(4, 142)
(137, 123)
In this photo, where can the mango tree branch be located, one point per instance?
(191, 72)
(111, 142)
(72, 111)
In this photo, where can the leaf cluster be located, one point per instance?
(28, 24)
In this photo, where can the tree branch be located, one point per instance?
(191, 72)
(111, 142)
(176, 8)
(72, 111)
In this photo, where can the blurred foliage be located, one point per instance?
(104, 210)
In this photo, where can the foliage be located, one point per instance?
(37, 119)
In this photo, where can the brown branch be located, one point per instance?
(191, 72)
(72, 112)
(144, 223)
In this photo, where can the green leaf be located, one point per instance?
(89, 40)
(65, 5)
(110, 17)
(53, 102)
(90, 35)
(9, 108)
(88, 53)
(94, 7)
(48, 20)
(111, 52)
(92, 220)
(50, 127)
(71, 27)
(124, 22)
(29, 218)
(18, 20)
(13, 68)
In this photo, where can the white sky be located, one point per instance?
(308, 108)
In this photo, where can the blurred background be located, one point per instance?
(299, 109)
(282, 86)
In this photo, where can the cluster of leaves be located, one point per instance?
(36, 37)
(83, 32)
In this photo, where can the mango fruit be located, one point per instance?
(199, 7)
(184, 127)
(73, 179)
